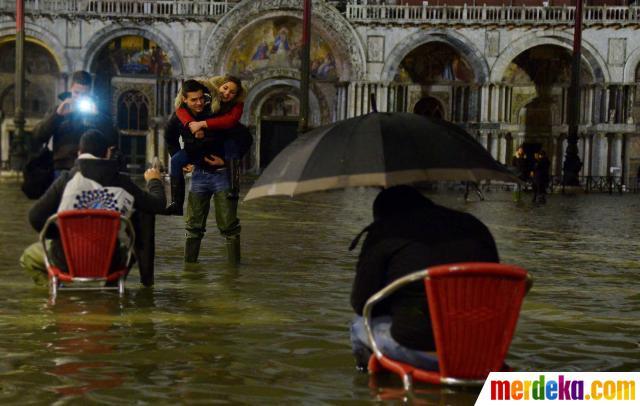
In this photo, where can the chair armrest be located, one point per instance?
(129, 228)
(529, 284)
(52, 219)
(383, 293)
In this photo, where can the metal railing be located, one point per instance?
(601, 184)
(363, 13)
(501, 15)
(183, 9)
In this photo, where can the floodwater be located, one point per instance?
(275, 330)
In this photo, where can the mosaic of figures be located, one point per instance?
(277, 43)
(434, 62)
(134, 55)
(38, 61)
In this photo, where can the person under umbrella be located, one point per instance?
(409, 233)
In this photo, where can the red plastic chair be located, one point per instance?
(89, 241)
(474, 308)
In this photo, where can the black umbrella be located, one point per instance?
(378, 149)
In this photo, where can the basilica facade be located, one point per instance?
(502, 72)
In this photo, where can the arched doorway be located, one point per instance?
(444, 78)
(429, 107)
(133, 124)
(539, 78)
(42, 83)
(127, 72)
(279, 115)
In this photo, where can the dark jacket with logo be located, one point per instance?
(105, 172)
(411, 241)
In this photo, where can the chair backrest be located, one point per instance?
(89, 240)
(474, 309)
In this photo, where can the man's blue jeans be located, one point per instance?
(391, 348)
(178, 161)
(208, 182)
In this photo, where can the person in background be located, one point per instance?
(540, 176)
(76, 114)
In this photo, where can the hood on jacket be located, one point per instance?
(103, 171)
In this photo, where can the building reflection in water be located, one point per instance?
(84, 338)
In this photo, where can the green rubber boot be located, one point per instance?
(233, 250)
(191, 250)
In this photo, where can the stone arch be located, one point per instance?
(46, 39)
(590, 54)
(631, 66)
(100, 39)
(254, 103)
(326, 20)
(431, 106)
(256, 97)
(467, 50)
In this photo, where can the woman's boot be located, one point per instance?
(176, 206)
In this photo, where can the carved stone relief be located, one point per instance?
(192, 43)
(375, 48)
(492, 44)
(617, 51)
(119, 86)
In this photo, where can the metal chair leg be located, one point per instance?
(53, 287)
(407, 382)
(121, 286)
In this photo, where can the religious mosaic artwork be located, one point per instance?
(134, 55)
(434, 62)
(545, 65)
(277, 43)
(37, 60)
(42, 76)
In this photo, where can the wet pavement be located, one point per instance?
(275, 330)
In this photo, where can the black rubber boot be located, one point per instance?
(233, 249)
(176, 206)
(191, 250)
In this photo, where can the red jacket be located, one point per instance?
(221, 122)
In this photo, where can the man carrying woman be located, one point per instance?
(214, 142)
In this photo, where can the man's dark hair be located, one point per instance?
(81, 77)
(95, 143)
(192, 85)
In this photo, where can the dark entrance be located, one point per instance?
(429, 107)
(275, 135)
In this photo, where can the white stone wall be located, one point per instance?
(372, 55)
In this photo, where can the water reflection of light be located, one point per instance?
(82, 325)
(388, 388)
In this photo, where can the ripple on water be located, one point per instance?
(277, 328)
